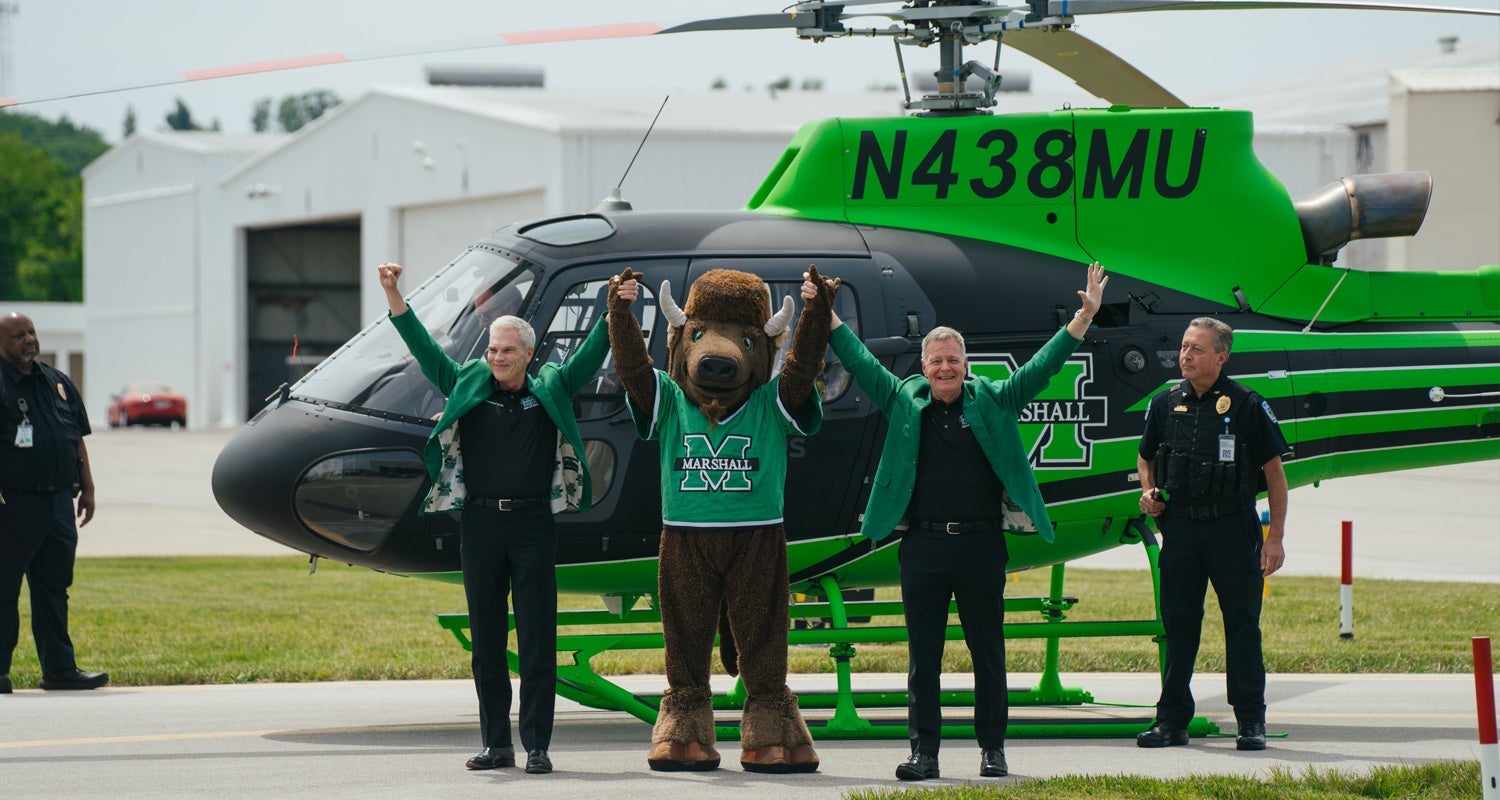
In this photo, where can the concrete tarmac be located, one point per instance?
(410, 739)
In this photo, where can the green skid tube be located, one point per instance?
(577, 681)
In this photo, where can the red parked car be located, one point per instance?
(147, 403)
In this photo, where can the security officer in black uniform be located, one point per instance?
(1210, 445)
(43, 466)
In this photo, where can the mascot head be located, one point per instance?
(723, 344)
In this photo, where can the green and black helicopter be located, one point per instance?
(951, 215)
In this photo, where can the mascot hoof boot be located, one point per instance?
(680, 757)
(780, 760)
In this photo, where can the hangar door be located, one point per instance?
(300, 281)
(434, 234)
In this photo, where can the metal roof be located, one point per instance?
(1353, 93)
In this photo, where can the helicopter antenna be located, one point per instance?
(615, 202)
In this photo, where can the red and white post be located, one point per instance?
(1346, 585)
(1484, 700)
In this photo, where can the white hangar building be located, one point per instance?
(208, 256)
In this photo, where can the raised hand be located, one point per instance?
(815, 285)
(624, 289)
(1093, 295)
(390, 274)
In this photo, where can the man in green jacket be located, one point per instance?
(955, 472)
(522, 465)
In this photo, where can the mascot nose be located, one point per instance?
(712, 369)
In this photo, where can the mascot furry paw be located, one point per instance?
(722, 419)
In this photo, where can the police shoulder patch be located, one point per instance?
(1265, 404)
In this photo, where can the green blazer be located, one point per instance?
(992, 408)
(467, 385)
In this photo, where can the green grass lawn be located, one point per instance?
(231, 620)
(1439, 781)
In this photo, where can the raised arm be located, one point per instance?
(632, 362)
(805, 359)
(1092, 296)
(437, 365)
(876, 381)
(390, 275)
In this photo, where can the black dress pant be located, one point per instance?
(514, 550)
(1224, 551)
(38, 540)
(968, 568)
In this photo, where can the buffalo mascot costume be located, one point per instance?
(722, 419)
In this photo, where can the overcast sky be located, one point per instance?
(67, 46)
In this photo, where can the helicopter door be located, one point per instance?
(625, 519)
(825, 471)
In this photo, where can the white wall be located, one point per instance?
(1453, 130)
(434, 234)
(157, 269)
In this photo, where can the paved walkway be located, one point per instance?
(410, 738)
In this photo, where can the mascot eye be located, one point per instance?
(749, 345)
(697, 335)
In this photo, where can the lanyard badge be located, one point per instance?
(25, 436)
(1226, 444)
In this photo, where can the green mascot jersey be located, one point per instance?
(729, 475)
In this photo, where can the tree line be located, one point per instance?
(41, 189)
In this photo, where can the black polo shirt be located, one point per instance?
(509, 444)
(58, 420)
(955, 482)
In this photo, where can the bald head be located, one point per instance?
(18, 342)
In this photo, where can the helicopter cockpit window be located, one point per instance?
(834, 380)
(569, 230)
(376, 371)
(583, 305)
(356, 499)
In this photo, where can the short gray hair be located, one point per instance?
(520, 326)
(1222, 333)
(943, 333)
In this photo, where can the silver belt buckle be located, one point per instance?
(948, 527)
(503, 504)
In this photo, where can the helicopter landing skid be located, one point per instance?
(580, 682)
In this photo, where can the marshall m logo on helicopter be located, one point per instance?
(1049, 170)
(725, 468)
(1054, 426)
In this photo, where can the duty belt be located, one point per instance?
(508, 503)
(1205, 511)
(955, 527)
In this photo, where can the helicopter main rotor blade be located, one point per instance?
(1093, 67)
(510, 39)
(1065, 8)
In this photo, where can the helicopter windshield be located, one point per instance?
(376, 371)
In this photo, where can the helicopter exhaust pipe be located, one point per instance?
(1362, 207)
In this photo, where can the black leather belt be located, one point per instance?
(1201, 512)
(955, 527)
(508, 503)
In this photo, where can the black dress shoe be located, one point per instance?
(1161, 734)
(493, 757)
(74, 678)
(1252, 736)
(992, 763)
(537, 762)
(5, 687)
(919, 767)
